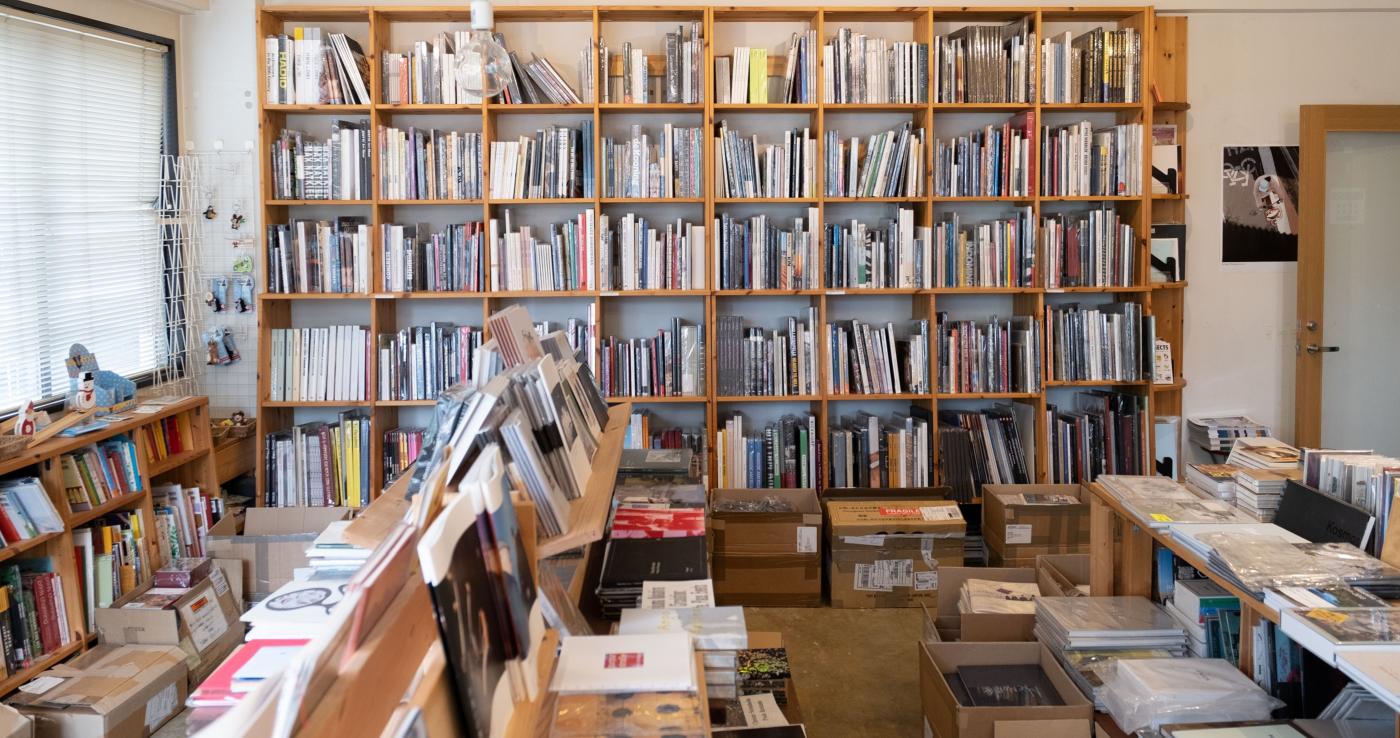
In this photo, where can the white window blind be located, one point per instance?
(80, 151)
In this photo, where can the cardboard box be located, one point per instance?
(271, 542)
(1017, 530)
(767, 559)
(886, 493)
(887, 553)
(14, 724)
(204, 624)
(952, 720)
(1065, 575)
(995, 627)
(111, 691)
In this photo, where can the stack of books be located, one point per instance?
(862, 69)
(1335, 633)
(1098, 66)
(319, 255)
(335, 169)
(749, 169)
(1264, 452)
(1158, 502)
(555, 163)
(718, 634)
(1259, 491)
(871, 452)
(1210, 615)
(310, 67)
(332, 552)
(640, 254)
(1216, 480)
(764, 671)
(757, 254)
(418, 164)
(317, 463)
(999, 253)
(888, 164)
(873, 360)
(418, 259)
(26, 510)
(994, 356)
(986, 64)
(782, 455)
(1089, 249)
(629, 562)
(1218, 433)
(1325, 596)
(557, 258)
(1084, 633)
(647, 166)
(671, 364)
(418, 362)
(605, 682)
(892, 256)
(756, 362)
(996, 161)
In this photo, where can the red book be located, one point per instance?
(218, 690)
(7, 527)
(45, 611)
(639, 522)
(114, 463)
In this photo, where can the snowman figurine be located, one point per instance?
(86, 398)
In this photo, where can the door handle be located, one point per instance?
(1313, 348)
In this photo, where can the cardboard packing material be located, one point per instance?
(110, 691)
(888, 553)
(203, 623)
(1017, 531)
(952, 720)
(271, 542)
(1063, 575)
(992, 627)
(14, 724)
(767, 559)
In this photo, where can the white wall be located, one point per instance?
(1249, 72)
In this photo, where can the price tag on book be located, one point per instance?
(1328, 616)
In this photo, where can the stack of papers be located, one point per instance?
(1256, 563)
(1112, 623)
(1264, 453)
(1158, 502)
(985, 596)
(1190, 534)
(1219, 433)
(718, 634)
(1325, 596)
(1258, 491)
(1215, 480)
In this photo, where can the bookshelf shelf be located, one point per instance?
(987, 290)
(330, 203)
(404, 403)
(116, 503)
(1177, 106)
(1092, 383)
(734, 399)
(431, 295)
(175, 461)
(315, 403)
(429, 202)
(653, 293)
(765, 200)
(873, 107)
(672, 400)
(982, 198)
(651, 200)
(1169, 285)
(537, 293)
(12, 550)
(1097, 290)
(540, 201)
(1091, 198)
(765, 107)
(1163, 196)
(1089, 107)
(838, 397)
(765, 293)
(657, 107)
(874, 199)
(987, 395)
(392, 108)
(40, 665)
(855, 291)
(538, 108)
(284, 296)
(328, 109)
(982, 107)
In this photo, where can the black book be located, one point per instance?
(1022, 685)
(630, 561)
(1322, 518)
(655, 462)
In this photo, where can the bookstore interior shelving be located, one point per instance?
(636, 313)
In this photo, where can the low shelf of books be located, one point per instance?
(108, 499)
(725, 208)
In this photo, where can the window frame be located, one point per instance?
(176, 359)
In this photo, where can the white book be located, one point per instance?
(661, 662)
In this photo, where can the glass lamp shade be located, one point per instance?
(483, 64)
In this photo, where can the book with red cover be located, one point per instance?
(217, 690)
(638, 522)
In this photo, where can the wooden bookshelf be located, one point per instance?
(388, 28)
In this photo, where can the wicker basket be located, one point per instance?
(12, 446)
(220, 432)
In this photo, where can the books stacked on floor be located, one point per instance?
(1110, 342)
(310, 67)
(1332, 633)
(755, 253)
(319, 256)
(419, 259)
(183, 518)
(331, 550)
(319, 463)
(871, 360)
(419, 164)
(888, 164)
(1095, 67)
(757, 362)
(987, 446)
(1216, 480)
(558, 258)
(556, 162)
(996, 161)
(868, 451)
(628, 563)
(718, 634)
(672, 364)
(778, 455)
(985, 596)
(893, 255)
(1088, 249)
(1210, 615)
(750, 169)
(643, 165)
(1159, 502)
(998, 253)
(27, 512)
(743, 77)
(1218, 433)
(1263, 452)
(401, 449)
(863, 69)
(102, 471)
(610, 685)
(1260, 491)
(418, 362)
(33, 612)
(1119, 419)
(986, 64)
(1112, 166)
(639, 253)
(994, 356)
(337, 168)
(1088, 635)
(681, 79)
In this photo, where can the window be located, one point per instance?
(85, 114)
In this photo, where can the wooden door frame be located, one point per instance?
(1314, 123)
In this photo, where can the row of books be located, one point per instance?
(560, 257)
(645, 432)
(110, 554)
(755, 253)
(872, 360)
(667, 166)
(753, 361)
(743, 77)
(784, 454)
(986, 64)
(747, 168)
(999, 253)
(557, 162)
(100, 472)
(428, 74)
(401, 448)
(419, 259)
(868, 451)
(862, 69)
(1096, 248)
(996, 161)
(319, 464)
(894, 255)
(33, 613)
(1109, 343)
(993, 356)
(310, 67)
(26, 511)
(1078, 161)
(682, 78)
(1095, 67)
(428, 164)
(419, 362)
(319, 364)
(887, 164)
(538, 82)
(987, 446)
(1102, 433)
(319, 256)
(337, 168)
(640, 254)
(184, 516)
(167, 437)
(670, 364)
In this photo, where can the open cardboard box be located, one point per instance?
(1062, 575)
(204, 623)
(271, 542)
(767, 559)
(1017, 531)
(110, 691)
(982, 626)
(953, 720)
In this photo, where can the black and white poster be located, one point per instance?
(1260, 210)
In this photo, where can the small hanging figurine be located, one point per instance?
(210, 213)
